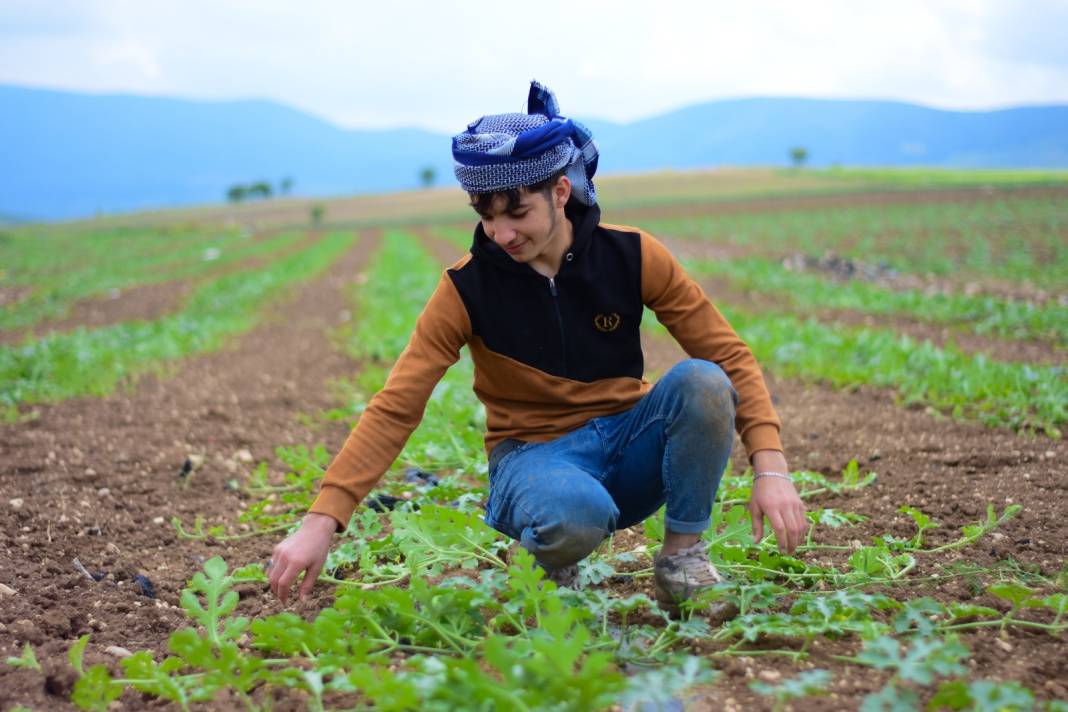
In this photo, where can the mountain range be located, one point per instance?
(72, 154)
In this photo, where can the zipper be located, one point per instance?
(559, 322)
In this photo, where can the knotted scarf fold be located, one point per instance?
(503, 151)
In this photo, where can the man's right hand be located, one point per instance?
(304, 550)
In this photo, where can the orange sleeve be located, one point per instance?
(681, 305)
(396, 410)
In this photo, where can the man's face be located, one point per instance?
(526, 232)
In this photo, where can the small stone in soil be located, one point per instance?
(16, 503)
(147, 589)
(7, 590)
(417, 476)
(382, 502)
(190, 465)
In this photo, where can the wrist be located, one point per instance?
(319, 522)
(772, 474)
(769, 461)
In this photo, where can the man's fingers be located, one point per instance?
(798, 528)
(779, 527)
(802, 523)
(285, 581)
(278, 565)
(310, 577)
(758, 522)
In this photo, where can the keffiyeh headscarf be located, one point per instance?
(505, 151)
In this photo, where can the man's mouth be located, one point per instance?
(515, 247)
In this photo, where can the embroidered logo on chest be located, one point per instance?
(606, 322)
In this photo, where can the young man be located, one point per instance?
(549, 302)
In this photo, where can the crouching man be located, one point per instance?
(549, 302)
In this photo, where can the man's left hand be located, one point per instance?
(776, 499)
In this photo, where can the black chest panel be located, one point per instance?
(585, 331)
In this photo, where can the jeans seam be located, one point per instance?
(666, 481)
(655, 419)
(505, 498)
(634, 436)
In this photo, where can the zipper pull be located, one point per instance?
(552, 286)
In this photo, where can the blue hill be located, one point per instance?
(70, 155)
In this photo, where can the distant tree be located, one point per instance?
(260, 188)
(317, 211)
(798, 155)
(427, 176)
(285, 185)
(236, 193)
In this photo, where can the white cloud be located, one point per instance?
(438, 65)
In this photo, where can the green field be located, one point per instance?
(431, 611)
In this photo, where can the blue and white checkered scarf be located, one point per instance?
(505, 151)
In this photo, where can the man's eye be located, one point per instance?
(519, 216)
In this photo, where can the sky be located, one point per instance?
(438, 65)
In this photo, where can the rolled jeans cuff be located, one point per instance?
(677, 527)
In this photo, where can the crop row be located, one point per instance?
(981, 314)
(115, 261)
(403, 277)
(1012, 238)
(93, 362)
(974, 387)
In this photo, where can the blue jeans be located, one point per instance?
(561, 498)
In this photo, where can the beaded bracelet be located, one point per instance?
(780, 475)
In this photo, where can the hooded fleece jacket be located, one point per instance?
(549, 354)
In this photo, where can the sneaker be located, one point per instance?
(563, 578)
(677, 577)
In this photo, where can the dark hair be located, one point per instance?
(483, 202)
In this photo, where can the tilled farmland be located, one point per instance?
(173, 393)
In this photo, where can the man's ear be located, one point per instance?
(561, 191)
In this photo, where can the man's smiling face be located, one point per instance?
(532, 229)
(524, 232)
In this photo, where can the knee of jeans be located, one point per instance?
(705, 385)
(584, 520)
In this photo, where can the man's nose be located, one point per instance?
(503, 232)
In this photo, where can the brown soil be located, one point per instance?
(98, 481)
(12, 295)
(146, 301)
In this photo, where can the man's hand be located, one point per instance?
(304, 550)
(776, 499)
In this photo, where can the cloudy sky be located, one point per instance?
(440, 64)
